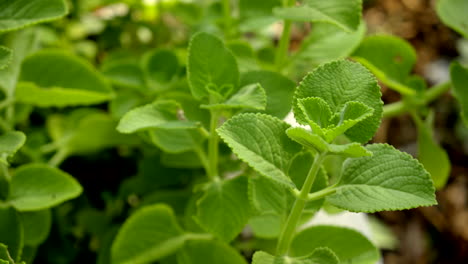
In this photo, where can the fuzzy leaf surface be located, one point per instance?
(251, 96)
(338, 83)
(260, 140)
(389, 180)
(5, 57)
(10, 143)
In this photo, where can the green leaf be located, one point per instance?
(313, 141)
(223, 209)
(394, 65)
(208, 251)
(5, 57)
(10, 143)
(459, 76)
(177, 140)
(453, 14)
(319, 255)
(148, 235)
(279, 90)
(317, 112)
(38, 186)
(245, 55)
(349, 246)
(272, 202)
(160, 114)
(250, 97)
(432, 156)
(350, 115)
(86, 131)
(5, 257)
(389, 180)
(127, 74)
(160, 67)
(260, 140)
(211, 66)
(12, 232)
(338, 83)
(36, 226)
(345, 14)
(325, 43)
(55, 78)
(21, 13)
(23, 42)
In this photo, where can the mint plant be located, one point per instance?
(177, 137)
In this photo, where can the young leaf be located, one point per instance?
(389, 180)
(260, 140)
(11, 231)
(337, 239)
(5, 257)
(36, 225)
(316, 111)
(320, 255)
(350, 115)
(453, 13)
(150, 234)
(177, 140)
(38, 186)
(337, 83)
(250, 97)
(5, 57)
(279, 90)
(208, 251)
(431, 155)
(211, 64)
(313, 141)
(21, 13)
(394, 65)
(10, 143)
(224, 208)
(55, 78)
(161, 114)
(345, 14)
(459, 76)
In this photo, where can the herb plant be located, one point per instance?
(203, 120)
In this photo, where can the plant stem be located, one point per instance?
(283, 45)
(436, 91)
(287, 233)
(213, 146)
(394, 109)
(227, 18)
(58, 157)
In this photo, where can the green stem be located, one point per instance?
(204, 160)
(227, 18)
(398, 108)
(213, 146)
(436, 91)
(394, 109)
(321, 194)
(283, 45)
(288, 231)
(58, 157)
